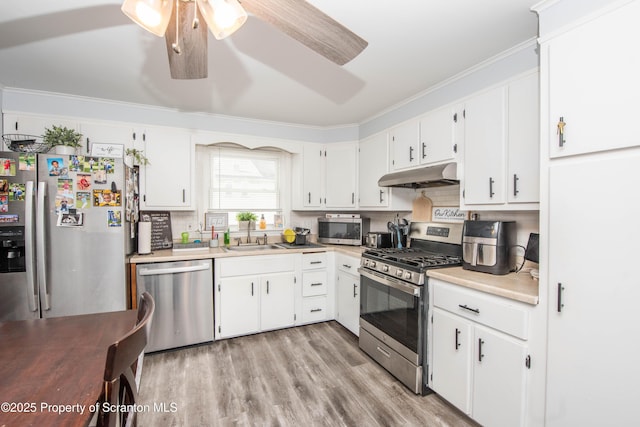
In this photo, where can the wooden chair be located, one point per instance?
(123, 356)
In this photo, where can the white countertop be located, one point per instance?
(516, 286)
(167, 255)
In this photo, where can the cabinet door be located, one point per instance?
(452, 347)
(348, 295)
(405, 141)
(166, 180)
(277, 301)
(237, 306)
(313, 163)
(32, 125)
(105, 133)
(373, 163)
(593, 78)
(523, 177)
(436, 136)
(593, 291)
(484, 148)
(499, 375)
(341, 163)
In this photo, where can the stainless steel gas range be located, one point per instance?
(393, 299)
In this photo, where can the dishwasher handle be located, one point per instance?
(172, 270)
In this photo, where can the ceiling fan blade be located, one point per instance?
(310, 26)
(191, 63)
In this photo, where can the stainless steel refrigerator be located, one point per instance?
(66, 225)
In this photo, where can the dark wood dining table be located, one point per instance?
(51, 370)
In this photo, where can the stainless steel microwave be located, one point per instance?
(342, 231)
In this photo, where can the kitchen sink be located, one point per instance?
(249, 248)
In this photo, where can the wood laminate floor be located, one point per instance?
(311, 375)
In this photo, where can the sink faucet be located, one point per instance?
(238, 239)
(248, 235)
(264, 242)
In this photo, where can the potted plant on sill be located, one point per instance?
(63, 139)
(246, 220)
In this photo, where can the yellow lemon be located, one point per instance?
(289, 235)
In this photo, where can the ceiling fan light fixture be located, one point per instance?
(152, 15)
(223, 17)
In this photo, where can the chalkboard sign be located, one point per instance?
(160, 228)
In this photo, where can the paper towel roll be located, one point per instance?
(144, 238)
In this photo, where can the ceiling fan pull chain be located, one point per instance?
(176, 46)
(196, 22)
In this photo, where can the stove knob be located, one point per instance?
(385, 268)
(407, 275)
(373, 264)
(366, 262)
(399, 273)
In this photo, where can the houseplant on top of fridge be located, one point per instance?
(63, 139)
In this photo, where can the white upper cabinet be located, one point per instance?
(405, 145)
(166, 182)
(106, 133)
(437, 133)
(595, 117)
(312, 175)
(523, 159)
(340, 174)
(27, 124)
(501, 147)
(485, 148)
(373, 161)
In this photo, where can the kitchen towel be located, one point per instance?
(144, 237)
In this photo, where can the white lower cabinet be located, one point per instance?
(479, 359)
(348, 292)
(254, 294)
(314, 301)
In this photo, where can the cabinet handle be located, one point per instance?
(267, 287)
(315, 310)
(383, 351)
(480, 355)
(491, 193)
(16, 126)
(346, 265)
(353, 198)
(560, 304)
(410, 154)
(457, 338)
(381, 193)
(561, 125)
(309, 197)
(184, 195)
(251, 288)
(354, 290)
(515, 184)
(424, 150)
(316, 284)
(475, 310)
(88, 142)
(316, 262)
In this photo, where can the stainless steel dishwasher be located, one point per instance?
(183, 293)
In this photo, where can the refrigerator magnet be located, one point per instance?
(16, 192)
(70, 220)
(27, 161)
(9, 218)
(114, 219)
(83, 200)
(8, 167)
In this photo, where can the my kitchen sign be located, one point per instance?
(448, 214)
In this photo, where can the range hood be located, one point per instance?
(428, 176)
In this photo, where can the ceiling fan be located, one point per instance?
(184, 25)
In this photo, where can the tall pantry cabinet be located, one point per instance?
(589, 210)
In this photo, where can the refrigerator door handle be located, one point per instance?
(41, 244)
(30, 259)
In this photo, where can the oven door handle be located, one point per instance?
(407, 288)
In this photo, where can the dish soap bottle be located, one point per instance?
(227, 238)
(263, 223)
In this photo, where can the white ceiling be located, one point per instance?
(89, 48)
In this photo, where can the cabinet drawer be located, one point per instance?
(495, 312)
(348, 264)
(314, 309)
(314, 261)
(314, 283)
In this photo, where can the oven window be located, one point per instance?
(392, 311)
